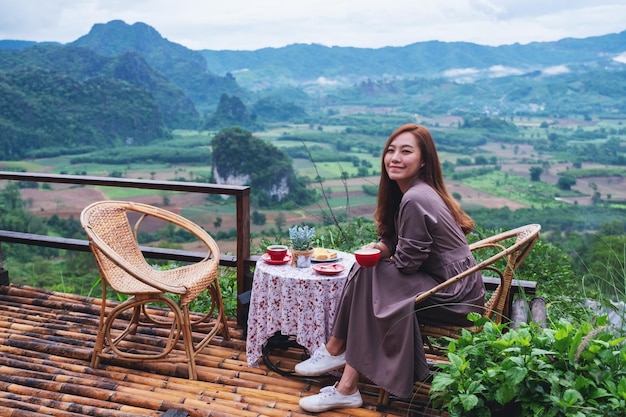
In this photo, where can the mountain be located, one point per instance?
(177, 109)
(83, 64)
(207, 74)
(42, 109)
(306, 83)
(18, 45)
(181, 66)
(301, 64)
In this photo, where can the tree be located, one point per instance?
(596, 198)
(269, 172)
(565, 182)
(481, 160)
(258, 218)
(535, 174)
(280, 221)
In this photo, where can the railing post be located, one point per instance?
(4, 274)
(243, 249)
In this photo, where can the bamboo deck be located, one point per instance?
(45, 345)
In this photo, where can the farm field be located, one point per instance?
(510, 186)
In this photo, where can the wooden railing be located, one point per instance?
(241, 261)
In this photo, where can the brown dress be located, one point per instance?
(377, 316)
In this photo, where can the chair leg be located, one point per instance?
(99, 345)
(383, 397)
(188, 342)
(97, 349)
(223, 319)
(217, 296)
(135, 318)
(217, 307)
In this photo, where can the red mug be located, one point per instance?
(277, 252)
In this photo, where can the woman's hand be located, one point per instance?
(384, 251)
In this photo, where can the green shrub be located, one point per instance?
(571, 369)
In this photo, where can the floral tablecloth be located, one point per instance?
(294, 301)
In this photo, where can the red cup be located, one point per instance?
(367, 257)
(277, 252)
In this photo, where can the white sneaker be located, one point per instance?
(320, 363)
(329, 398)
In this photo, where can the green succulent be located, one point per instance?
(301, 237)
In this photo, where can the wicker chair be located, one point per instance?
(503, 253)
(512, 245)
(150, 334)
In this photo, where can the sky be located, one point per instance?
(256, 24)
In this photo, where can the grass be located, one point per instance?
(334, 170)
(114, 193)
(517, 189)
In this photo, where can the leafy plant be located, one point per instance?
(571, 369)
(227, 279)
(353, 234)
(301, 237)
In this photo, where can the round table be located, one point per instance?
(293, 301)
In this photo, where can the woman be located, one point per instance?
(421, 231)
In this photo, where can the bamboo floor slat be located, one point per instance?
(46, 340)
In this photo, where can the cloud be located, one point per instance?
(254, 24)
(461, 72)
(503, 71)
(621, 58)
(556, 70)
(466, 75)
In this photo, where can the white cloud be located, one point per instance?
(503, 71)
(254, 24)
(556, 70)
(621, 58)
(460, 72)
(323, 81)
(465, 75)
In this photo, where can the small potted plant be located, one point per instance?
(301, 242)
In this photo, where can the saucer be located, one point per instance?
(270, 261)
(328, 269)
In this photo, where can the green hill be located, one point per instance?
(83, 64)
(42, 109)
(183, 67)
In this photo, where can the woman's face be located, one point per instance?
(403, 160)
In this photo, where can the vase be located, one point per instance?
(301, 259)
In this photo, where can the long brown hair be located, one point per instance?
(389, 194)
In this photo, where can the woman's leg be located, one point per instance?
(348, 384)
(335, 346)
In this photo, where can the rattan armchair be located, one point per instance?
(500, 255)
(136, 330)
